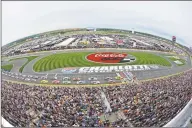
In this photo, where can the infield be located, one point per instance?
(78, 59)
(30, 58)
(7, 67)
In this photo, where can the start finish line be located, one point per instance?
(104, 69)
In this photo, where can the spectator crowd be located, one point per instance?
(144, 104)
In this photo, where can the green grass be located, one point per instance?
(78, 59)
(7, 67)
(181, 60)
(30, 58)
(149, 58)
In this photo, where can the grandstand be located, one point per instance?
(74, 86)
(65, 42)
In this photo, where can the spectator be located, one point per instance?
(150, 103)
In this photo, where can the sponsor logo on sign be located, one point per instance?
(110, 57)
(117, 68)
(69, 70)
(109, 69)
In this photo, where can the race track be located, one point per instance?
(141, 75)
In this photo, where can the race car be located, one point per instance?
(33, 80)
(54, 78)
(81, 82)
(125, 81)
(111, 81)
(92, 78)
(30, 76)
(27, 79)
(16, 77)
(23, 75)
(118, 77)
(66, 78)
(76, 79)
(21, 78)
(108, 78)
(66, 82)
(44, 81)
(56, 82)
(95, 82)
(35, 77)
(13, 76)
(43, 77)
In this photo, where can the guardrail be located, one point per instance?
(180, 119)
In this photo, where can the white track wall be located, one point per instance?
(180, 119)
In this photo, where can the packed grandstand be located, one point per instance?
(95, 78)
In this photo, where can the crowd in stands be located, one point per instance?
(152, 103)
(149, 103)
(37, 45)
(24, 105)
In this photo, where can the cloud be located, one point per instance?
(20, 19)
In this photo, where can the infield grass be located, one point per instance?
(175, 59)
(7, 67)
(78, 59)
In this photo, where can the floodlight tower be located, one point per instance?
(173, 41)
(133, 31)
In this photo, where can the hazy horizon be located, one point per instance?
(161, 18)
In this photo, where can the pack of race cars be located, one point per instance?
(64, 80)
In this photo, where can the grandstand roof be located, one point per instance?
(46, 42)
(65, 42)
(106, 38)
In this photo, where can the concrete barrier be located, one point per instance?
(180, 119)
(5, 123)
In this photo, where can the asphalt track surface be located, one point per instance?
(141, 75)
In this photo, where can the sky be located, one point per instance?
(162, 18)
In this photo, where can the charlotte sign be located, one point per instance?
(110, 57)
(102, 69)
